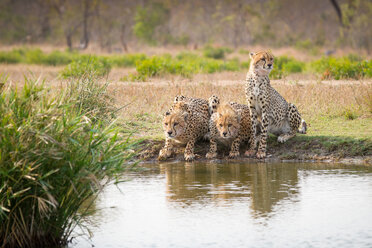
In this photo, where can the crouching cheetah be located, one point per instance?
(265, 103)
(184, 123)
(229, 124)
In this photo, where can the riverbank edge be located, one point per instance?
(300, 149)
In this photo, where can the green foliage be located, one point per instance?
(11, 57)
(128, 60)
(147, 19)
(285, 65)
(184, 64)
(89, 66)
(342, 68)
(54, 162)
(349, 114)
(216, 52)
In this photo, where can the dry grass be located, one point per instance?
(319, 103)
(331, 107)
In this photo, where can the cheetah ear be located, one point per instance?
(251, 54)
(185, 116)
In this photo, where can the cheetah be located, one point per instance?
(195, 104)
(184, 124)
(230, 124)
(276, 115)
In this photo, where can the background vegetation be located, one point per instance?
(123, 24)
(208, 60)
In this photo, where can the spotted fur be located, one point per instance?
(276, 115)
(230, 124)
(185, 123)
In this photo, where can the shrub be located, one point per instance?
(284, 65)
(59, 58)
(54, 161)
(89, 66)
(11, 57)
(216, 52)
(342, 68)
(127, 60)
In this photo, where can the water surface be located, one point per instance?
(236, 205)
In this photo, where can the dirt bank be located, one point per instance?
(301, 149)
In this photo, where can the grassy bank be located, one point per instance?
(58, 150)
(187, 64)
(339, 115)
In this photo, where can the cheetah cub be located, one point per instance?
(276, 115)
(183, 125)
(229, 124)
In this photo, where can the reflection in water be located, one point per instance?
(237, 205)
(264, 184)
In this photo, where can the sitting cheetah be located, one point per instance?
(275, 114)
(183, 125)
(229, 124)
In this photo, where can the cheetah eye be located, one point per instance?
(175, 124)
(220, 125)
(166, 124)
(214, 107)
(229, 125)
(263, 59)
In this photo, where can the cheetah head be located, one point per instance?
(228, 121)
(175, 122)
(261, 63)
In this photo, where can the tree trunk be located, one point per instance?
(85, 42)
(122, 38)
(338, 11)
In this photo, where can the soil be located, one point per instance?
(291, 151)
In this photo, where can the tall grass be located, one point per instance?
(89, 66)
(54, 161)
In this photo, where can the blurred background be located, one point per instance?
(129, 25)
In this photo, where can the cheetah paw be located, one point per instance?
(250, 153)
(234, 154)
(189, 157)
(261, 154)
(210, 155)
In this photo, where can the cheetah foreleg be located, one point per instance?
(234, 151)
(166, 151)
(253, 138)
(212, 149)
(261, 153)
(189, 150)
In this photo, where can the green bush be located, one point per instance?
(59, 58)
(11, 57)
(284, 65)
(216, 52)
(128, 60)
(90, 66)
(342, 68)
(54, 162)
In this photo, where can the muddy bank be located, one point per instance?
(299, 149)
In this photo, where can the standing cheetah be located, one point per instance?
(276, 115)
